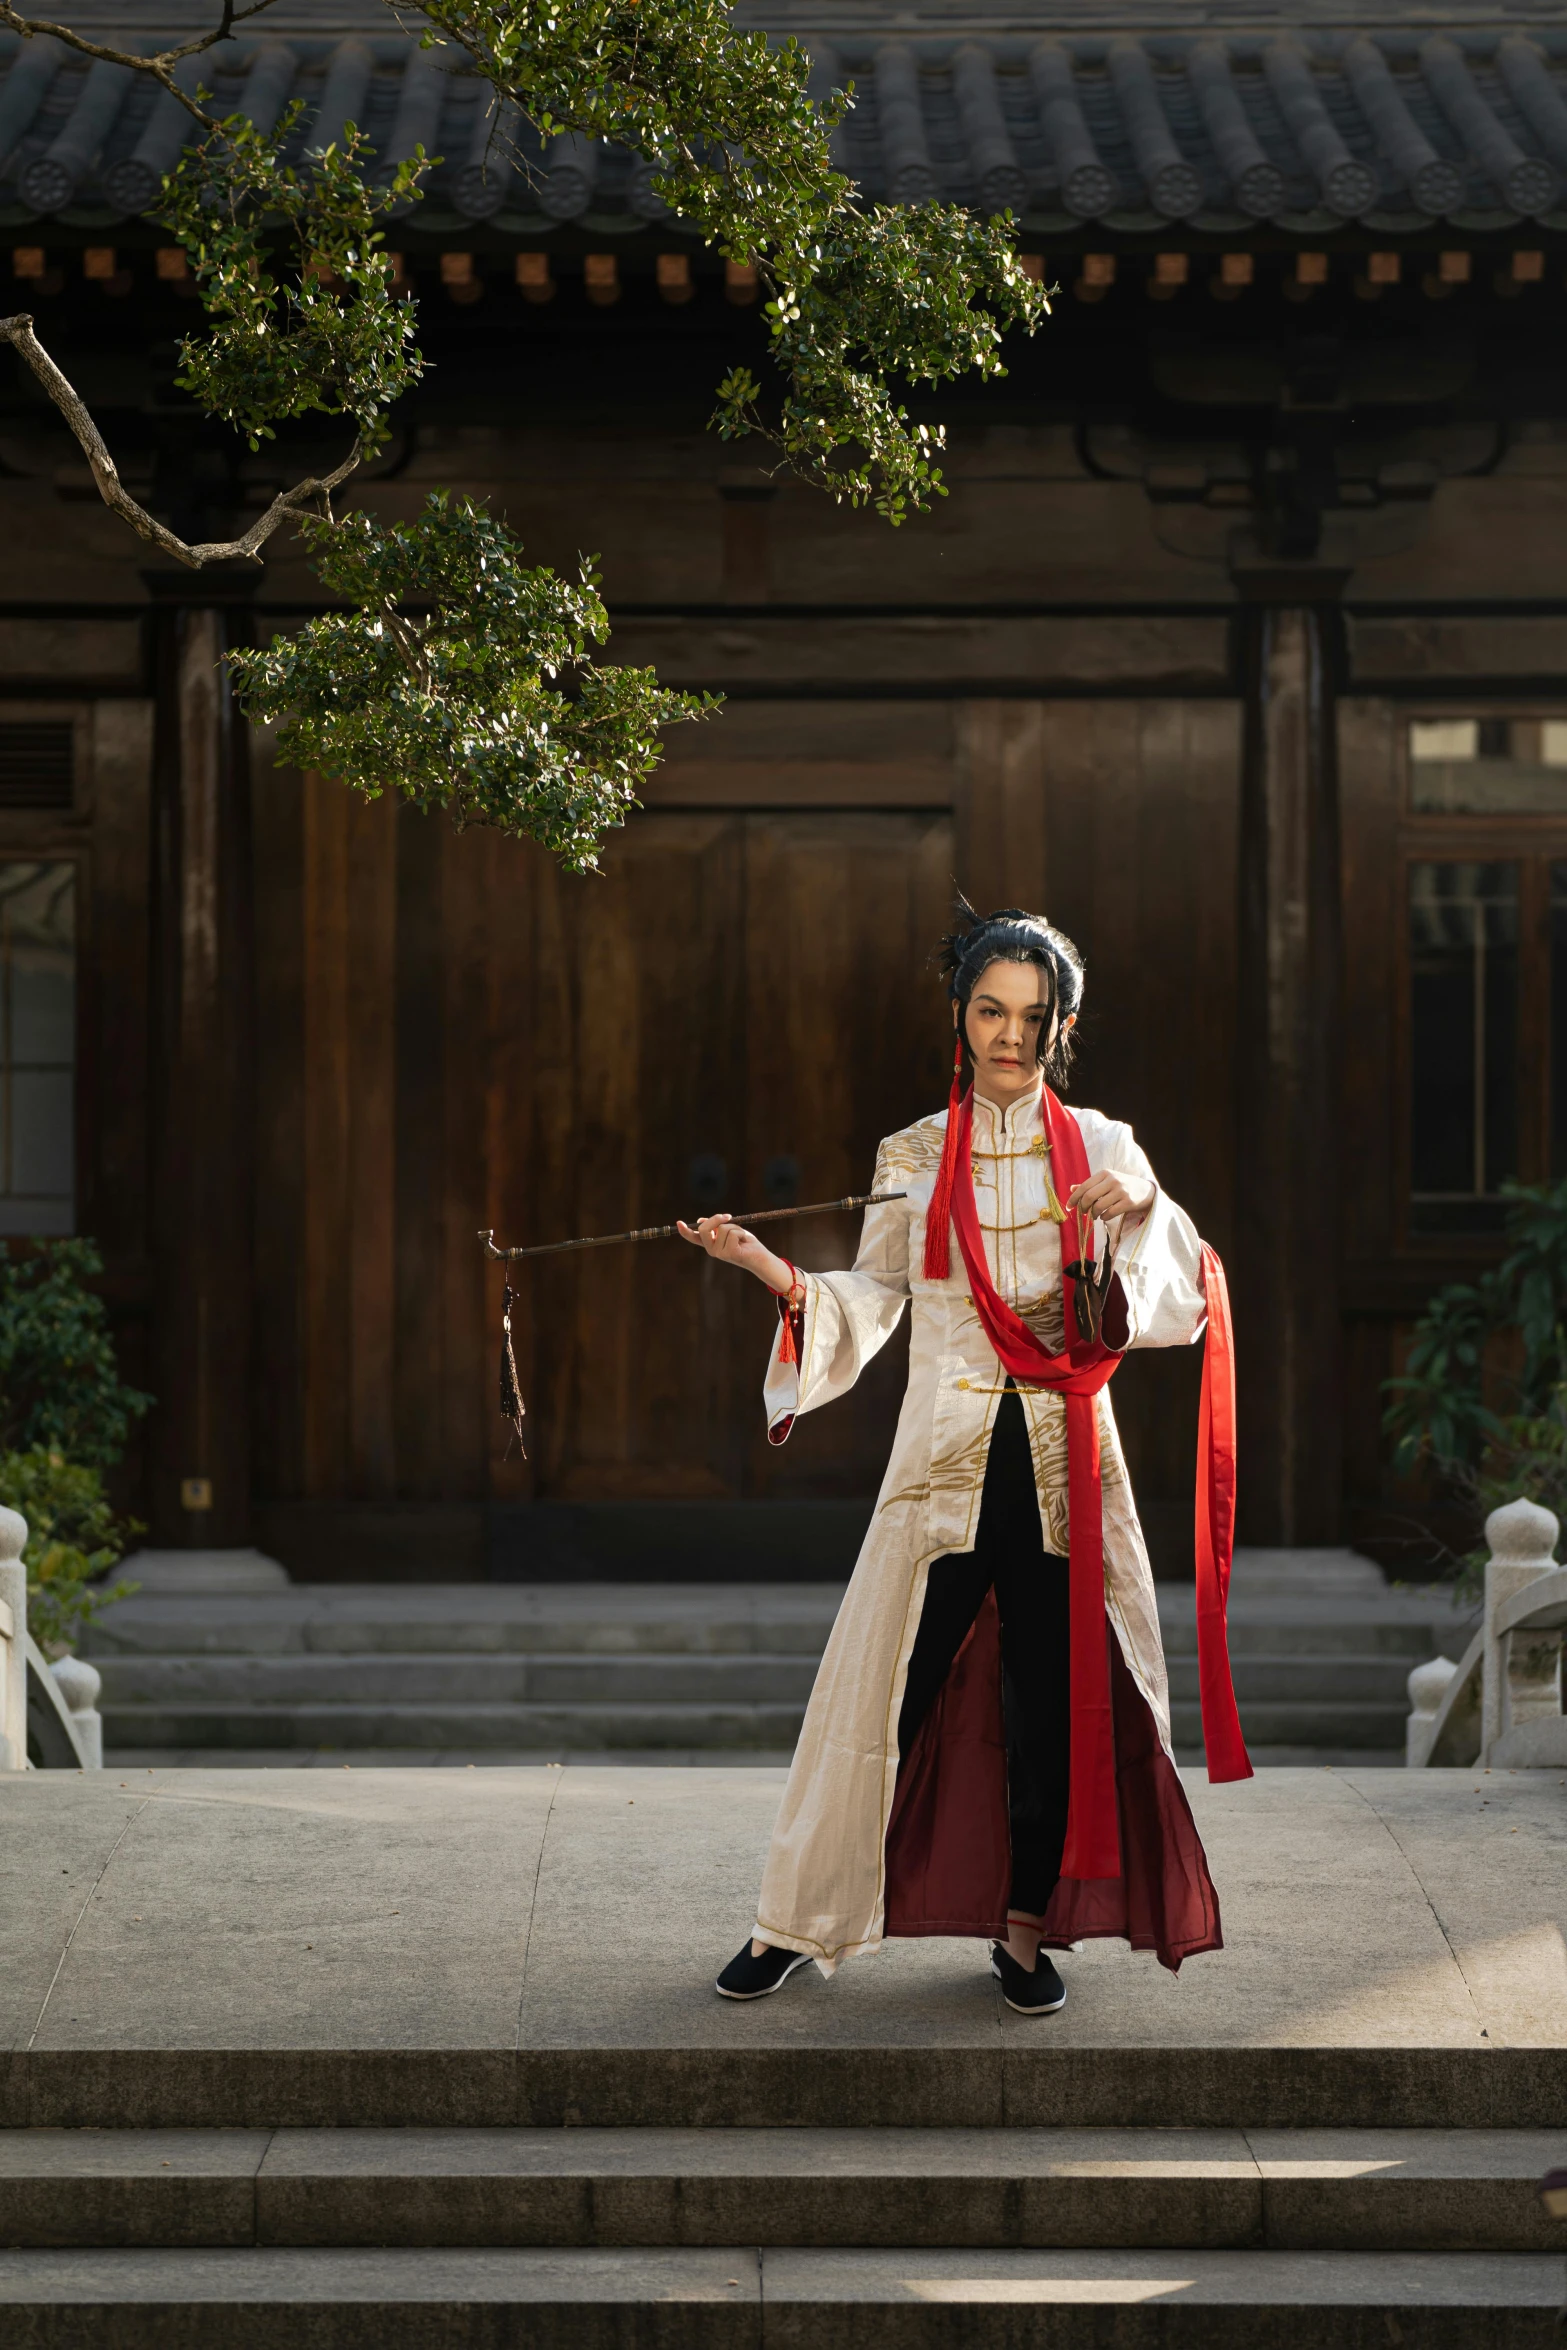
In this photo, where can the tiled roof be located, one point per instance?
(1216, 130)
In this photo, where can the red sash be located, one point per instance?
(1092, 1836)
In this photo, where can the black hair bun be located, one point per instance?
(1009, 935)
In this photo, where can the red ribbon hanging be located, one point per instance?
(1221, 1728)
(1092, 1846)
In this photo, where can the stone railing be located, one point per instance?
(13, 1643)
(52, 1706)
(1501, 1704)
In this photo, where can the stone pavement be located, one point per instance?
(430, 2060)
(553, 1935)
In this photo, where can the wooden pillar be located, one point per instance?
(1289, 1144)
(202, 1151)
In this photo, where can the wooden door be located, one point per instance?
(454, 1034)
(733, 1016)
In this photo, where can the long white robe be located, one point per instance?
(824, 1886)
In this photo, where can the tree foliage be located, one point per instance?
(65, 1415)
(60, 1386)
(74, 1540)
(1492, 1431)
(314, 326)
(458, 675)
(466, 676)
(861, 297)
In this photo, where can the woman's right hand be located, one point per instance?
(730, 1242)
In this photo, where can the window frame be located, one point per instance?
(1533, 842)
(75, 858)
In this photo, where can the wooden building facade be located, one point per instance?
(1239, 647)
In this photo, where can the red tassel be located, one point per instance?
(938, 1216)
(788, 1348)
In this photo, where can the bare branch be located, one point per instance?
(304, 497)
(158, 67)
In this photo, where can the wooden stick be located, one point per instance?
(821, 1207)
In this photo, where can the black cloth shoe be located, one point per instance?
(746, 1977)
(1039, 1993)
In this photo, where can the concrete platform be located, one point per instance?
(529, 1948)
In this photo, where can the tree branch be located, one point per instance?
(159, 67)
(409, 642)
(303, 497)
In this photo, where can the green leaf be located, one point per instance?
(60, 1387)
(465, 679)
(326, 333)
(861, 299)
(73, 1540)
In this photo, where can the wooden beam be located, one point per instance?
(1290, 1147)
(199, 1437)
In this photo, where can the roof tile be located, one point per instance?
(1398, 127)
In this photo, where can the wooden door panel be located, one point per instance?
(743, 990)
(846, 1042)
(640, 991)
(1140, 860)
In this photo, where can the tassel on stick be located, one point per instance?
(513, 1409)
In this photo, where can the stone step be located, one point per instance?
(424, 1758)
(793, 2299)
(480, 1619)
(637, 1680)
(587, 1729)
(459, 1680)
(805, 2083)
(483, 1620)
(1321, 1649)
(525, 1728)
(1290, 2190)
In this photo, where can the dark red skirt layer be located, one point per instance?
(949, 1848)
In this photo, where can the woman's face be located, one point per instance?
(1008, 1028)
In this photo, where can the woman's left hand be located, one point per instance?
(1109, 1196)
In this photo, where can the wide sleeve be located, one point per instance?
(845, 1318)
(1157, 1255)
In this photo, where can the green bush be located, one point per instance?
(60, 1385)
(73, 1537)
(1510, 1445)
(65, 1414)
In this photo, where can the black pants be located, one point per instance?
(1031, 1590)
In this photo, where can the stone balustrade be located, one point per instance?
(52, 1707)
(13, 1643)
(1501, 1705)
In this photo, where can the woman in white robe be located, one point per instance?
(872, 1841)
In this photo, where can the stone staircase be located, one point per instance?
(1321, 1646)
(655, 2237)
